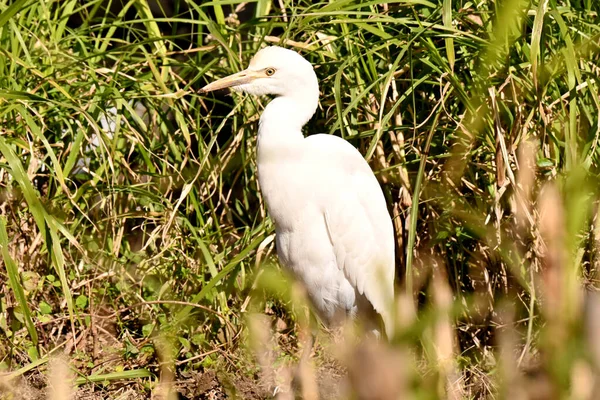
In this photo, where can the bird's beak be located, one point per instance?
(240, 78)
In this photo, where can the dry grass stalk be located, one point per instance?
(306, 376)
(404, 195)
(554, 274)
(592, 331)
(595, 273)
(525, 185)
(444, 335)
(406, 313)
(382, 162)
(500, 164)
(276, 380)
(377, 371)
(398, 221)
(60, 380)
(511, 382)
(165, 389)
(398, 146)
(261, 343)
(582, 382)
(6, 385)
(380, 156)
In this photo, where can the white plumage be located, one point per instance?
(333, 230)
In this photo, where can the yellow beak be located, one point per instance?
(240, 78)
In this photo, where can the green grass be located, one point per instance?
(481, 120)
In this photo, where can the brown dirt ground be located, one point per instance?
(208, 385)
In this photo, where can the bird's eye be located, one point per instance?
(270, 71)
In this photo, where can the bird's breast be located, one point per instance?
(287, 192)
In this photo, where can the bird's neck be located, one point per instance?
(282, 120)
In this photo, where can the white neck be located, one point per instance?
(282, 120)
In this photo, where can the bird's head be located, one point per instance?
(273, 70)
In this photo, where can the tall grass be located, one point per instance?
(136, 235)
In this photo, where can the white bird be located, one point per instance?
(332, 226)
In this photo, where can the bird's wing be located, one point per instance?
(358, 223)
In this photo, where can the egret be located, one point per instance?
(333, 230)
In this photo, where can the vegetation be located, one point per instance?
(136, 247)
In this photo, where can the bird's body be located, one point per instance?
(333, 230)
(332, 240)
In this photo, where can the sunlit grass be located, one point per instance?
(133, 233)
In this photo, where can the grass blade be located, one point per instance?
(414, 210)
(114, 376)
(14, 282)
(447, 19)
(11, 11)
(40, 215)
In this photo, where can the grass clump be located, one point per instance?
(132, 230)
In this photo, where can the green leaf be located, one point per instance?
(147, 329)
(45, 308)
(30, 280)
(33, 354)
(81, 302)
(185, 343)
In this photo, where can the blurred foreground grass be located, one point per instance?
(133, 235)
